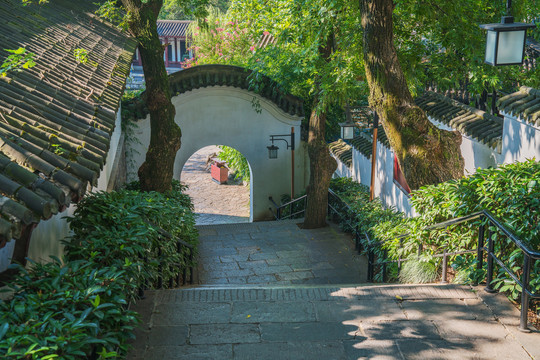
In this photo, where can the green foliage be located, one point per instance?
(31, 2)
(110, 11)
(173, 9)
(418, 272)
(511, 192)
(78, 309)
(18, 60)
(81, 56)
(236, 161)
(65, 311)
(119, 228)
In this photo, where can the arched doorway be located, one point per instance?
(216, 202)
(215, 106)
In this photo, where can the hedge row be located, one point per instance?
(511, 192)
(78, 308)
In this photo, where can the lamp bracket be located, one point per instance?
(280, 137)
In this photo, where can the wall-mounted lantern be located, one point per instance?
(272, 152)
(347, 127)
(505, 44)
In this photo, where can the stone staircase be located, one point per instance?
(274, 291)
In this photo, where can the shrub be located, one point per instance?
(418, 272)
(511, 192)
(119, 227)
(66, 311)
(78, 309)
(236, 161)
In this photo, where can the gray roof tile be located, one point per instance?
(56, 119)
(342, 151)
(176, 28)
(524, 103)
(472, 122)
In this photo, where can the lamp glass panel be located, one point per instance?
(347, 132)
(510, 49)
(490, 47)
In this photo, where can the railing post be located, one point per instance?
(480, 249)
(191, 266)
(356, 239)
(179, 251)
(524, 294)
(160, 270)
(385, 255)
(370, 271)
(444, 267)
(489, 279)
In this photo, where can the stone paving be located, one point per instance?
(313, 316)
(277, 253)
(214, 203)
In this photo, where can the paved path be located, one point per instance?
(214, 203)
(284, 316)
(277, 253)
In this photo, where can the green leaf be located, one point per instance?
(3, 330)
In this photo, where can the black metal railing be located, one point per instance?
(290, 210)
(339, 208)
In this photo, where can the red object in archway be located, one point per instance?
(219, 173)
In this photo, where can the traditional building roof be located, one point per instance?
(56, 118)
(342, 151)
(524, 103)
(472, 122)
(224, 75)
(173, 28)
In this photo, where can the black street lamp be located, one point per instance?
(505, 44)
(272, 152)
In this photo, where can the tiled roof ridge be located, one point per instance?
(363, 144)
(342, 150)
(224, 75)
(174, 21)
(524, 103)
(478, 112)
(468, 120)
(174, 28)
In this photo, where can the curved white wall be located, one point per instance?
(223, 115)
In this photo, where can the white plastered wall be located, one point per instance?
(46, 237)
(342, 169)
(521, 140)
(390, 194)
(223, 115)
(475, 154)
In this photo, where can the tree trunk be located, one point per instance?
(321, 164)
(156, 173)
(321, 167)
(426, 154)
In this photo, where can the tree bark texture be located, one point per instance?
(156, 173)
(321, 167)
(426, 154)
(321, 164)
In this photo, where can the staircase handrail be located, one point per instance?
(279, 208)
(487, 220)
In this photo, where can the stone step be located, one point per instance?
(361, 321)
(218, 293)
